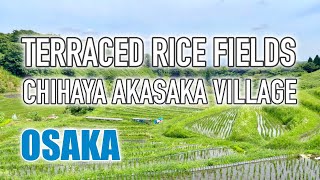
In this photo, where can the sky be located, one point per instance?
(145, 18)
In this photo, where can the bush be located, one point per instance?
(2, 89)
(109, 76)
(176, 132)
(78, 110)
(91, 73)
(68, 72)
(34, 116)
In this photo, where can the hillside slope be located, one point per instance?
(310, 80)
(8, 82)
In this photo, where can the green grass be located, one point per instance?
(245, 127)
(309, 81)
(10, 106)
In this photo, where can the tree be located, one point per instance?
(91, 73)
(11, 54)
(310, 59)
(68, 72)
(147, 60)
(16, 34)
(12, 59)
(1, 57)
(160, 72)
(207, 74)
(4, 38)
(176, 72)
(317, 60)
(310, 67)
(190, 72)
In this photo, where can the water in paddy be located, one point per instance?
(269, 168)
(281, 169)
(278, 169)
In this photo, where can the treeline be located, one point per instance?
(11, 59)
(208, 73)
(11, 55)
(312, 64)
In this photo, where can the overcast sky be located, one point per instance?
(296, 18)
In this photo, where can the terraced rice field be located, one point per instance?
(144, 154)
(146, 111)
(218, 126)
(275, 169)
(138, 149)
(282, 167)
(150, 155)
(235, 142)
(267, 128)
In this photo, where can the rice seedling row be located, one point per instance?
(269, 168)
(268, 129)
(23, 170)
(219, 126)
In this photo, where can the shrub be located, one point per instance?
(176, 132)
(78, 110)
(109, 76)
(2, 89)
(68, 72)
(34, 116)
(91, 73)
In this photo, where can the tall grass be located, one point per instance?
(8, 82)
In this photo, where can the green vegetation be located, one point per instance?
(8, 82)
(204, 141)
(79, 110)
(218, 126)
(34, 116)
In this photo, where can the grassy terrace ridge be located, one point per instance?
(191, 137)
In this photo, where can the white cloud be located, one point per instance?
(145, 17)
